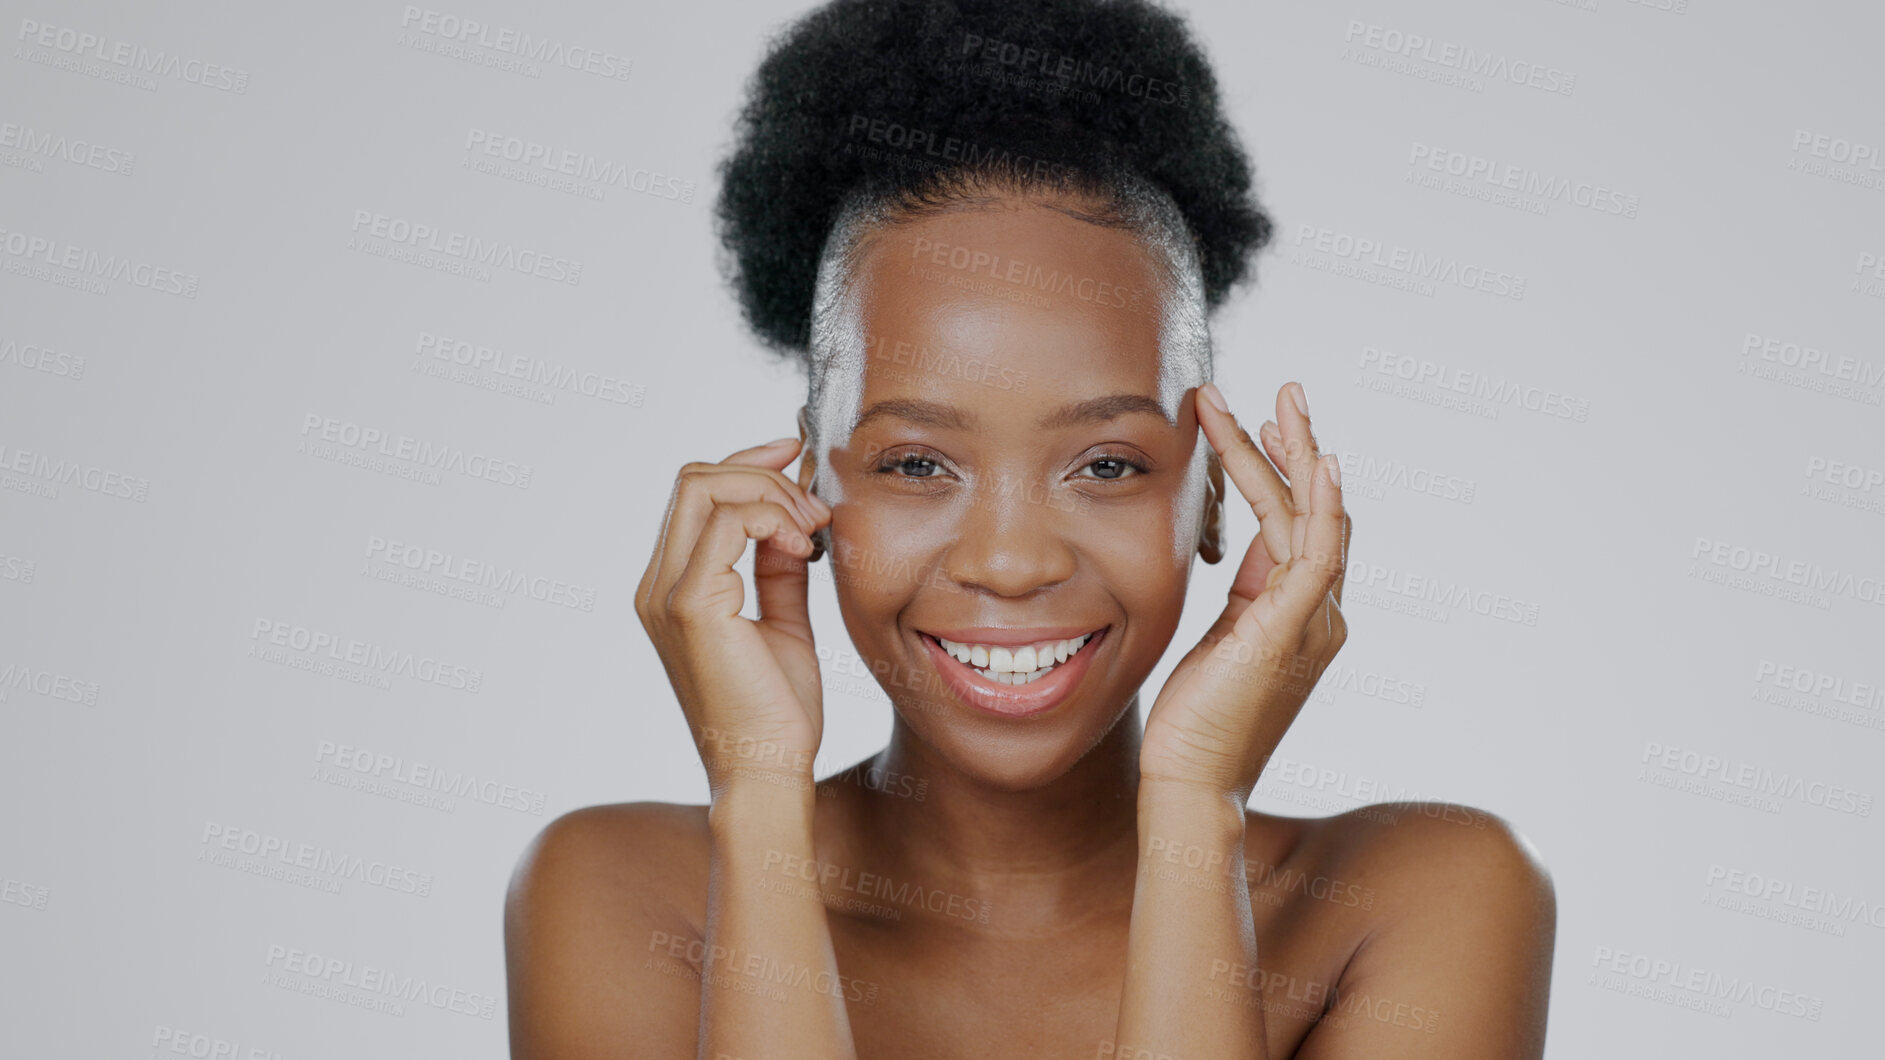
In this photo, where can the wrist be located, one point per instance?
(769, 799)
(1205, 796)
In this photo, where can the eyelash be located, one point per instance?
(896, 460)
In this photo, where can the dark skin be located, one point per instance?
(1395, 931)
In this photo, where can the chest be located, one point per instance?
(993, 998)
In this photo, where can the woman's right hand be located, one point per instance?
(750, 689)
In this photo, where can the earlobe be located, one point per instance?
(1211, 527)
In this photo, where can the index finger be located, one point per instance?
(1249, 470)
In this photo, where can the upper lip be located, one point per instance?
(1010, 636)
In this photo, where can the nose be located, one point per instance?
(1009, 545)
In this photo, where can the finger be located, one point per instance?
(700, 486)
(708, 587)
(772, 458)
(781, 583)
(1250, 471)
(1254, 575)
(1272, 440)
(1300, 453)
(1348, 531)
(1305, 588)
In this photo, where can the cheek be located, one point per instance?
(1134, 543)
(880, 555)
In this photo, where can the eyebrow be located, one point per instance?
(949, 417)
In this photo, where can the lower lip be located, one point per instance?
(1013, 701)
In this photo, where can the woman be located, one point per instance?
(994, 232)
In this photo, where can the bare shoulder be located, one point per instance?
(598, 850)
(597, 906)
(1425, 848)
(1455, 959)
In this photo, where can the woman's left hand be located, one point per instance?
(1231, 698)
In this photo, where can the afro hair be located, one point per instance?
(906, 104)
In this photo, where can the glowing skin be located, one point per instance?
(839, 337)
(1023, 830)
(1000, 521)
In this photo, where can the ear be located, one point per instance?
(1211, 527)
(808, 467)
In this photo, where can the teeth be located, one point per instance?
(1015, 666)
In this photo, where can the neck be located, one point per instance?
(1051, 854)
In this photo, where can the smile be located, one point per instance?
(1013, 673)
(1016, 666)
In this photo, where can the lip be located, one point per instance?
(1012, 701)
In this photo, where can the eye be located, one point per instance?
(1111, 468)
(911, 460)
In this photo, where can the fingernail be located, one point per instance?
(1301, 399)
(1335, 470)
(1211, 394)
(1269, 428)
(780, 443)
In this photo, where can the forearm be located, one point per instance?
(1191, 951)
(769, 985)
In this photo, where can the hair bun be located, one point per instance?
(885, 95)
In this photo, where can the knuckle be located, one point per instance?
(692, 479)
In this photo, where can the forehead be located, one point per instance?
(1019, 299)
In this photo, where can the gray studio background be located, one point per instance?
(1616, 573)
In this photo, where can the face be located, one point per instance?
(1014, 481)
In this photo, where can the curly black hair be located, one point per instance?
(910, 103)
